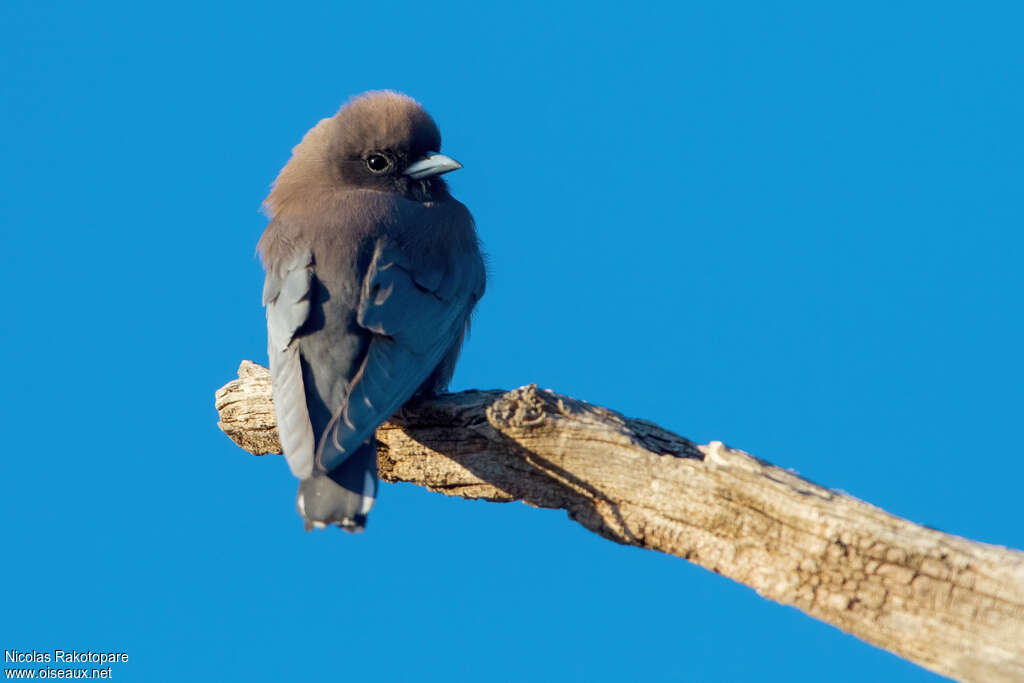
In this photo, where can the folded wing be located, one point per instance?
(415, 317)
(286, 296)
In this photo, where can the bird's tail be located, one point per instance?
(342, 496)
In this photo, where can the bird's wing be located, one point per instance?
(415, 317)
(286, 295)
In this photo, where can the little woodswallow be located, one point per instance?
(373, 270)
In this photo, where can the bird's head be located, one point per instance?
(380, 140)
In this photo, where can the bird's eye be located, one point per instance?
(377, 163)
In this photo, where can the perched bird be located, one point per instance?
(372, 271)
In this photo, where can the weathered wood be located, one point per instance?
(949, 604)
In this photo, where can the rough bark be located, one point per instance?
(946, 603)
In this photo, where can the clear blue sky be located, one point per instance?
(797, 230)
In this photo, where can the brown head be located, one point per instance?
(380, 140)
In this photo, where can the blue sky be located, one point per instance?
(795, 229)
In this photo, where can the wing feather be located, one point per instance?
(414, 327)
(287, 299)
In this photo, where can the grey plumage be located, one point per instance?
(372, 271)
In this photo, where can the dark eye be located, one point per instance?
(377, 163)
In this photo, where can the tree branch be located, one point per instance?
(946, 603)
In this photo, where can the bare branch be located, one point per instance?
(946, 603)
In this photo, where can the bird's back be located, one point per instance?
(438, 239)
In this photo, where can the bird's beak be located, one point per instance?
(430, 165)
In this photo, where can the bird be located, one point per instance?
(373, 270)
